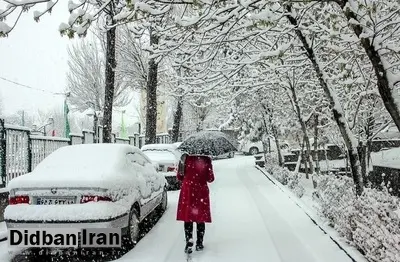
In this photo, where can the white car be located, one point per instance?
(88, 186)
(167, 157)
(177, 144)
(254, 148)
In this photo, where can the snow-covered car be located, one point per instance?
(171, 147)
(177, 144)
(226, 155)
(88, 186)
(166, 156)
(256, 147)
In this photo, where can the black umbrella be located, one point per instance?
(212, 143)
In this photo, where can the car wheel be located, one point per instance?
(164, 203)
(253, 151)
(133, 228)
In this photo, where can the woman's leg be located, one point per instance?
(201, 229)
(188, 230)
(188, 236)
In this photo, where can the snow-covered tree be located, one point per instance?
(20, 118)
(86, 80)
(376, 26)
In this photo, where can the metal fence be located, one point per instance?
(21, 151)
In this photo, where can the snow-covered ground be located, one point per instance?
(252, 221)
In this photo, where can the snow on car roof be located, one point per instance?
(159, 146)
(87, 154)
(76, 165)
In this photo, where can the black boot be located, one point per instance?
(199, 246)
(189, 246)
(189, 237)
(201, 227)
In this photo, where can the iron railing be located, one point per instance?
(21, 151)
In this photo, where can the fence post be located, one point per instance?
(132, 140)
(3, 153)
(84, 133)
(136, 135)
(29, 152)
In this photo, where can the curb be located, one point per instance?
(314, 220)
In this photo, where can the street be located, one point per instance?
(252, 221)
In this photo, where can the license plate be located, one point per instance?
(55, 201)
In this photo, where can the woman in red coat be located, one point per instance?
(194, 171)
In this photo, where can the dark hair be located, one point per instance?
(183, 156)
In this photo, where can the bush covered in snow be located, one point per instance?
(370, 222)
(271, 159)
(295, 185)
(288, 178)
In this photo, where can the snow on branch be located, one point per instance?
(83, 13)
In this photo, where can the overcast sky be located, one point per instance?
(35, 54)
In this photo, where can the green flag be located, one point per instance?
(123, 127)
(67, 127)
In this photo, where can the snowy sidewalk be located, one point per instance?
(252, 221)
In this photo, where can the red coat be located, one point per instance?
(194, 197)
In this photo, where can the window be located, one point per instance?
(137, 158)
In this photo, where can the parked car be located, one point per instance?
(256, 147)
(88, 186)
(171, 147)
(226, 155)
(177, 144)
(166, 156)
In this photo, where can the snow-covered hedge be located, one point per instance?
(370, 222)
(271, 159)
(287, 178)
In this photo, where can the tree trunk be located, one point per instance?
(385, 90)
(278, 148)
(316, 155)
(151, 96)
(326, 159)
(269, 144)
(362, 153)
(307, 157)
(109, 88)
(177, 121)
(304, 158)
(300, 159)
(337, 110)
(265, 132)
